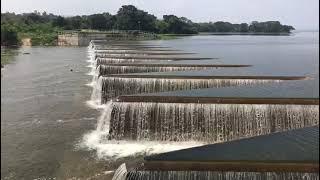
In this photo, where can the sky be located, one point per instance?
(301, 14)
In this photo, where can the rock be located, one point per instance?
(71, 69)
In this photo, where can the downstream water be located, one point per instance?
(44, 114)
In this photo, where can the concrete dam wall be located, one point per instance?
(84, 38)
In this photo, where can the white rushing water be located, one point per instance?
(95, 100)
(119, 60)
(215, 175)
(135, 129)
(205, 122)
(107, 69)
(116, 86)
(98, 140)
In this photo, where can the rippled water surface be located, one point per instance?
(43, 98)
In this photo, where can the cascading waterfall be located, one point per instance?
(95, 100)
(205, 122)
(127, 128)
(101, 61)
(102, 130)
(105, 69)
(112, 51)
(106, 147)
(103, 125)
(124, 54)
(96, 95)
(92, 64)
(116, 86)
(216, 175)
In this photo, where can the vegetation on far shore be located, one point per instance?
(43, 28)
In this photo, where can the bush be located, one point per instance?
(9, 35)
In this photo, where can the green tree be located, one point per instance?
(59, 21)
(131, 18)
(179, 25)
(127, 18)
(97, 21)
(8, 35)
(75, 22)
(244, 27)
(221, 26)
(286, 28)
(162, 27)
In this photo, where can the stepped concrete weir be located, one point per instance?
(120, 60)
(205, 122)
(265, 77)
(133, 49)
(299, 159)
(102, 61)
(113, 68)
(285, 155)
(153, 57)
(145, 53)
(130, 47)
(217, 117)
(114, 85)
(126, 44)
(215, 105)
(217, 100)
(283, 151)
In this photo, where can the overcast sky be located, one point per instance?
(302, 14)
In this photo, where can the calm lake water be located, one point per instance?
(43, 104)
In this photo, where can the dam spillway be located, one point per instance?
(172, 58)
(115, 68)
(232, 161)
(134, 90)
(128, 49)
(234, 151)
(102, 61)
(146, 53)
(218, 117)
(205, 122)
(115, 85)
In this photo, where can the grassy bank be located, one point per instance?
(39, 34)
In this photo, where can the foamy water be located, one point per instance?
(118, 149)
(98, 140)
(95, 105)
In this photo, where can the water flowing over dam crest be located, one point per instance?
(205, 122)
(156, 100)
(251, 158)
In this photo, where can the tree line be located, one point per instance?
(44, 27)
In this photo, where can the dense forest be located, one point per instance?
(43, 28)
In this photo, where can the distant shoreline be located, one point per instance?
(245, 33)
